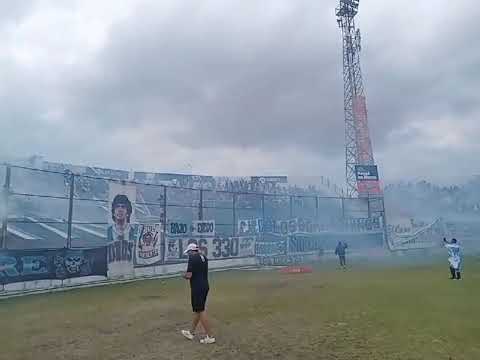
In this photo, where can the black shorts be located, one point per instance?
(199, 298)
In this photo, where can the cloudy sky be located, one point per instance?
(237, 86)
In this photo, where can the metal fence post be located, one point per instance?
(263, 216)
(200, 206)
(234, 205)
(385, 225)
(291, 206)
(369, 211)
(5, 197)
(70, 210)
(163, 217)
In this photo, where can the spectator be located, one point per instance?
(340, 251)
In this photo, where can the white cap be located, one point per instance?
(191, 247)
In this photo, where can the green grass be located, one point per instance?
(368, 312)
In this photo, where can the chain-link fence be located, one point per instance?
(55, 209)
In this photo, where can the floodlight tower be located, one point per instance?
(358, 146)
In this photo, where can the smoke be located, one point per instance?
(410, 205)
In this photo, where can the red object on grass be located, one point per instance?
(296, 270)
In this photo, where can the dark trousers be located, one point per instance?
(455, 273)
(343, 262)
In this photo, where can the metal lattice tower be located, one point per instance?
(358, 146)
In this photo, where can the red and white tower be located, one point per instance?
(360, 169)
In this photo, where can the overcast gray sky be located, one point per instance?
(238, 87)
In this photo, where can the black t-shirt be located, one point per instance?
(198, 266)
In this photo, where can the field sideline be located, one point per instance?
(401, 311)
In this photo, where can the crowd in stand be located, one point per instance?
(426, 197)
(408, 197)
(183, 195)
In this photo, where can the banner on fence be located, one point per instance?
(269, 179)
(177, 228)
(302, 243)
(203, 228)
(213, 248)
(120, 255)
(177, 245)
(108, 173)
(363, 224)
(250, 227)
(284, 260)
(270, 248)
(121, 200)
(148, 245)
(122, 232)
(292, 226)
(44, 264)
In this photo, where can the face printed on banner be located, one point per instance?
(148, 249)
(148, 239)
(120, 213)
(121, 209)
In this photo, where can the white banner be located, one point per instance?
(250, 227)
(175, 247)
(292, 226)
(213, 248)
(177, 228)
(246, 246)
(203, 228)
(270, 248)
(147, 247)
(172, 251)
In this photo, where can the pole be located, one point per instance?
(163, 219)
(263, 216)
(200, 206)
(385, 225)
(70, 210)
(368, 207)
(234, 204)
(291, 206)
(5, 196)
(316, 208)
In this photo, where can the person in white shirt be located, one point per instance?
(454, 258)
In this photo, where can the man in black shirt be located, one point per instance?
(340, 251)
(197, 273)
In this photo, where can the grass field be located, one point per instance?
(368, 312)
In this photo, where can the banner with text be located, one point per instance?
(176, 228)
(148, 250)
(292, 226)
(285, 260)
(250, 227)
(304, 243)
(213, 248)
(44, 264)
(203, 228)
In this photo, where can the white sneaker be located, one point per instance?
(207, 340)
(188, 334)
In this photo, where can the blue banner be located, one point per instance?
(45, 264)
(304, 243)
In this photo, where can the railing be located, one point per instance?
(75, 209)
(61, 229)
